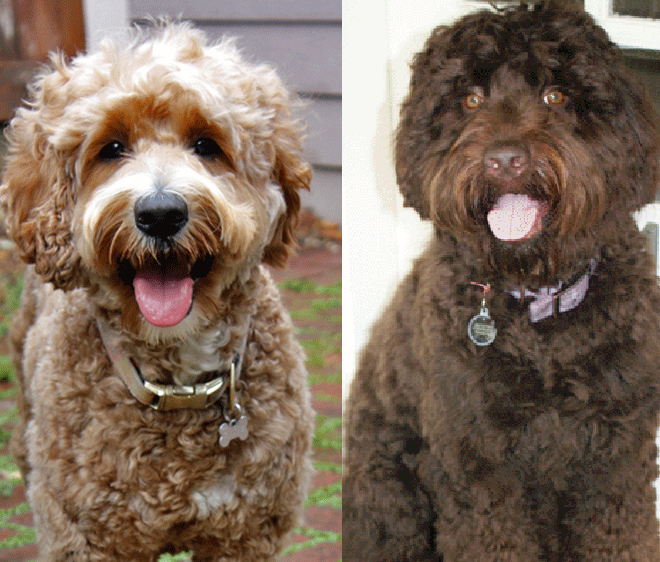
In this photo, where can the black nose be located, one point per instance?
(161, 214)
(506, 161)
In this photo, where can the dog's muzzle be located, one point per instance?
(164, 290)
(161, 214)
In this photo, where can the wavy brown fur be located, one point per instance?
(110, 479)
(540, 446)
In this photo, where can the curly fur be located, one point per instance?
(110, 478)
(540, 446)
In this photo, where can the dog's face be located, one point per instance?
(157, 175)
(523, 134)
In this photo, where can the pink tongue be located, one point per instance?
(514, 217)
(163, 301)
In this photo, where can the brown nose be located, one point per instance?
(506, 161)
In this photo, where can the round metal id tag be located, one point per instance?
(481, 328)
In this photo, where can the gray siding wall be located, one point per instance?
(302, 39)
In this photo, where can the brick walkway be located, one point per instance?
(323, 268)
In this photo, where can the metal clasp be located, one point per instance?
(196, 397)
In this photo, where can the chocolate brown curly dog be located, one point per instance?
(506, 406)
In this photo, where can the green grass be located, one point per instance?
(10, 297)
(318, 348)
(175, 557)
(316, 537)
(322, 346)
(319, 344)
(6, 374)
(307, 286)
(317, 312)
(316, 309)
(23, 535)
(334, 377)
(328, 433)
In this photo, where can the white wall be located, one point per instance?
(380, 236)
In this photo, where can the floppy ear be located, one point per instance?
(291, 173)
(418, 134)
(37, 196)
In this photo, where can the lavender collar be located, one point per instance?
(549, 301)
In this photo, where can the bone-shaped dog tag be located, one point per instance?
(233, 429)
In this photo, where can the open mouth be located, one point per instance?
(164, 288)
(517, 217)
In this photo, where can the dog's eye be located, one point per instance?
(554, 97)
(473, 101)
(207, 148)
(112, 151)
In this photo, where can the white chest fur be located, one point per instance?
(210, 499)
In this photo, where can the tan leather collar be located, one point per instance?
(168, 397)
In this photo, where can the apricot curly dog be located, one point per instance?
(507, 404)
(164, 402)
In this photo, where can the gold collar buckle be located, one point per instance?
(164, 397)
